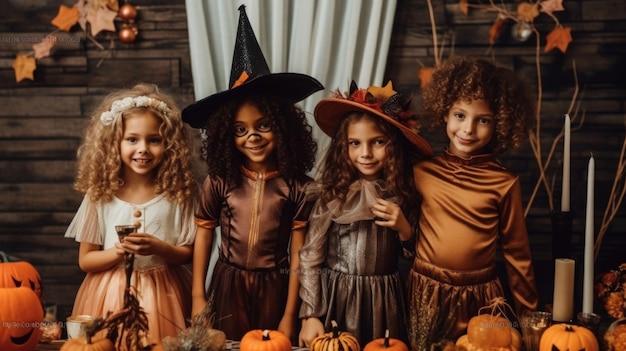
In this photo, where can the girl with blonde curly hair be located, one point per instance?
(471, 204)
(134, 168)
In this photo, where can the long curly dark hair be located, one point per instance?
(338, 173)
(467, 79)
(295, 147)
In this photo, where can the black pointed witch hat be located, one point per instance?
(250, 74)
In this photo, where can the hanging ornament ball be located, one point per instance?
(128, 34)
(128, 12)
(521, 31)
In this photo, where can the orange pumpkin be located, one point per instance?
(386, 343)
(265, 340)
(21, 315)
(563, 337)
(336, 340)
(88, 344)
(20, 273)
(491, 331)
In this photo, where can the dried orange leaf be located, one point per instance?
(495, 30)
(464, 7)
(382, 93)
(527, 12)
(24, 66)
(560, 37)
(425, 74)
(549, 6)
(66, 18)
(43, 49)
(101, 19)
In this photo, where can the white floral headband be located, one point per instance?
(119, 106)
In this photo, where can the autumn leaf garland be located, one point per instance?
(95, 15)
(526, 12)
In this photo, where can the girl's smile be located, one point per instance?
(142, 147)
(254, 139)
(367, 148)
(470, 127)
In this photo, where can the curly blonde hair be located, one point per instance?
(99, 160)
(466, 79)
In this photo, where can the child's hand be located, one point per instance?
(390, 215)
(118, 248)
(142, 244)
(311, 328)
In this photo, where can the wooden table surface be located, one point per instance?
(56, 345)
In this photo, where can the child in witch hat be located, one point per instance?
(364, 216)
(258, 148)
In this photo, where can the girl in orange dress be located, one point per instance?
(470, 203)
(134, 169)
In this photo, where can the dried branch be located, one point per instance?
(616, 196)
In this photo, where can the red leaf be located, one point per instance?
(495, 30)
(560, 37)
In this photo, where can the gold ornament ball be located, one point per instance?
(128, 34)
(127, 12)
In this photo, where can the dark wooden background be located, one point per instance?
(41, 120)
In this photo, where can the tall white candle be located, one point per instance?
(563, 301)
(565, 189)
(589, 240)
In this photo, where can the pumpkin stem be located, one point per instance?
(568, 328)
(335, 328)
(266, 335)
(386, 342)
(3, 257)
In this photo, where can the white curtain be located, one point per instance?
(334, 41)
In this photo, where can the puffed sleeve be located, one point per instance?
(85, 226)
(312, 258)
(187, 223)
(211, 198)
(303, 205)
(516, 250)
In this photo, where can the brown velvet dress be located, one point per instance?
(470, 206)
(249, 285)
(349, 268)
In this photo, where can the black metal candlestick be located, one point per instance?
(561, 234)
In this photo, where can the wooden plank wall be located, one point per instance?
(597, 51)
(41, 120)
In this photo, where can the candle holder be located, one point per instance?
(533, 324)
(561, 234)
(590, 321)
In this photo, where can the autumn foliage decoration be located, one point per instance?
(524, 15)
(93, 16)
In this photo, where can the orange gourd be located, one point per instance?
(336, 340)
(88, 344)
(265, 340)
(19, 273)
(21, 315)
(563, 337)
(491, 331)
(386, 343)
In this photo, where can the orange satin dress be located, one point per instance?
(250, 281)
(470, 207)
